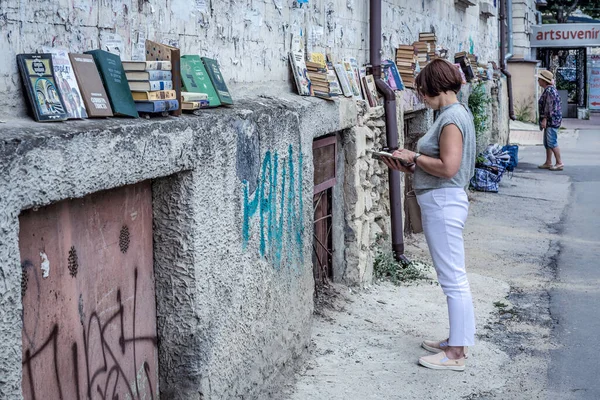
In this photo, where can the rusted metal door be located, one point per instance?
(89, 313)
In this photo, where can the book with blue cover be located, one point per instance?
(156, 106)
(150, 86)
(392, 75)
(154, 75)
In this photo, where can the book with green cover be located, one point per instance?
(212, 67)
(196, 80)
(115, 82)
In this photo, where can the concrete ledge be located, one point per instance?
(527, 138)
(202, 166)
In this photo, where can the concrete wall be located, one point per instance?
(524, 89)
(250, 38)
(523, 18)
(232, 310)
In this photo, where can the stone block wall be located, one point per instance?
(366, 191)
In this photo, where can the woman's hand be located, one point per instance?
(406, 155)
(394, 164)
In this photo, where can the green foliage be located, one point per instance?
(523, 112)
(560, 10)
(386, 267)
(499, 304)
(478, 103)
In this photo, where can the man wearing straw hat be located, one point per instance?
(550, 120)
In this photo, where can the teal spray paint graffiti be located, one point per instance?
(274, 211)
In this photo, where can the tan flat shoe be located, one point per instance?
(544, 166)
(557, 167)
(441, 361)
(439, 346)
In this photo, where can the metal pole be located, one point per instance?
(391, 130)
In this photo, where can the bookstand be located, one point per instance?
(162, 52)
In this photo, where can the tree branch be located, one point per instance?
(573, 7)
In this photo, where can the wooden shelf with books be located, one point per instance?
(161, 52)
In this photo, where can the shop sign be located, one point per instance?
(594, 85)
(565, 35)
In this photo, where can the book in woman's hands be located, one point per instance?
(384, 154)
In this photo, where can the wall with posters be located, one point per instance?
(249, 38)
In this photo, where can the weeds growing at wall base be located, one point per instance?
(387, 268)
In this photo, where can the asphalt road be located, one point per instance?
(574, 370)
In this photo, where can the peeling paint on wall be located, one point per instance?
(246, 36)
(45, 265)
(180, 9)
(113, 43)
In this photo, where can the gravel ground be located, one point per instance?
(366, 342)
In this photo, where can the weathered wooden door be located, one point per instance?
(324, 161)
(89, 314)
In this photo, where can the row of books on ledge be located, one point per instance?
(411, 58)
(62, 85)
(321, 76)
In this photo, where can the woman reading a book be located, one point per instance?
(442, 166)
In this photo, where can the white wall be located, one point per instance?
(523, 18)
(249, 37)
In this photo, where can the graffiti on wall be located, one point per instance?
(105, 358)
(89, 313)
(277, 209)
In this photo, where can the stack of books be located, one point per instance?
(431, 40)
(406, 62)
(193, 101)
(422, 53)
(151, 84)
(319, 79)
(468, 64)
(203, 83)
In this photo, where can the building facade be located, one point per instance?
(206, 221)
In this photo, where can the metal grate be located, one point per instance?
(322, 239)
(569, 69)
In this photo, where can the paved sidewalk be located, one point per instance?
(526, 134)
(574, 123)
